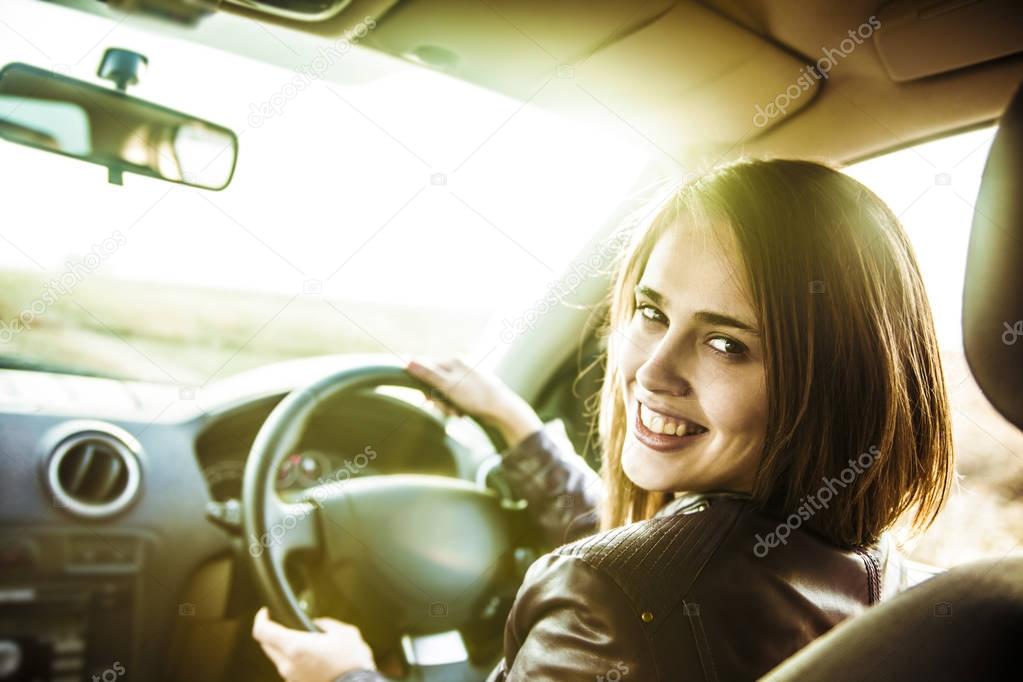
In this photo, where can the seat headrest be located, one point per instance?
(993, 291)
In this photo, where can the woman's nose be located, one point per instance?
(666, 370)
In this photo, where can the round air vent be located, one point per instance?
(94, 472)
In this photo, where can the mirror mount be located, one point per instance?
(122, 67)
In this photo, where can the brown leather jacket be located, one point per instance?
(687, 595)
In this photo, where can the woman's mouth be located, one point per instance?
(663, 433)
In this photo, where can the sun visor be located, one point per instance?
(678, 75)
(694, 79)
(919, 39)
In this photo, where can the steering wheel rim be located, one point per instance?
(264, 512)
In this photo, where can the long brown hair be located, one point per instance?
(851, 358)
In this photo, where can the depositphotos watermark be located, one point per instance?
(819, 70)
(325, 58)
(111, 674)
(615, 673)
(75, 273)
(1012, 333)
(324, 488)
(595, 263)
(811, 504)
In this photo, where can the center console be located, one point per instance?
(68, 604)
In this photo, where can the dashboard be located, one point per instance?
(302, 469)
(108, 552)
(307, 468)
(366, 434)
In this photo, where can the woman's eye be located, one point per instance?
(650, 313)
(726, 346)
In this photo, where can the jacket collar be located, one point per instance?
(692, 502)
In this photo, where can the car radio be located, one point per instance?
(61, 621)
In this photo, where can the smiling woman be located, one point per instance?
(773, 404)
(843, 355)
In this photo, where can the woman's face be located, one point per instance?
(692, 364)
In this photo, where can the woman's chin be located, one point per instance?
(642, 466)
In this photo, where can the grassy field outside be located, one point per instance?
(984, 516)
(192, 335)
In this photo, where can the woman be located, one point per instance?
(773, 403)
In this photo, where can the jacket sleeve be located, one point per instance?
(560, 487)
(571, 621)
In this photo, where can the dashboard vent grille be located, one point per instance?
(93, 474)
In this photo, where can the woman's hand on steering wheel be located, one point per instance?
(302, 656)
(479, 530)
(479, 394)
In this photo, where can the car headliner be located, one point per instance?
(686, 76)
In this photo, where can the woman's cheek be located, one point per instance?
(636, 347)
(627, 354)
(736, 401)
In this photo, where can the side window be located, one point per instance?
(573, 394)
(932, 187)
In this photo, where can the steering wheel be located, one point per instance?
(412, 554)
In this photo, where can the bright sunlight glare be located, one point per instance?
(411, 187)
(932, 187)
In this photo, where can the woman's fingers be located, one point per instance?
(326, 624)
(275, 635)
(417, 368)
(454, 370)
(259, 623)
(267, 631)
(270, 640)
(452, 365)
(428, 372)
(442, 374)
(438, 376)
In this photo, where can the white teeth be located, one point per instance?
(660, 424)
(644, 415)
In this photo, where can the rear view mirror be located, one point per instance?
(48, 111)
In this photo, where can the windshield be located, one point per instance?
(386, 208)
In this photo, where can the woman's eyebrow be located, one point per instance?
(705, 316)
(644, 290)
(722, 320)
